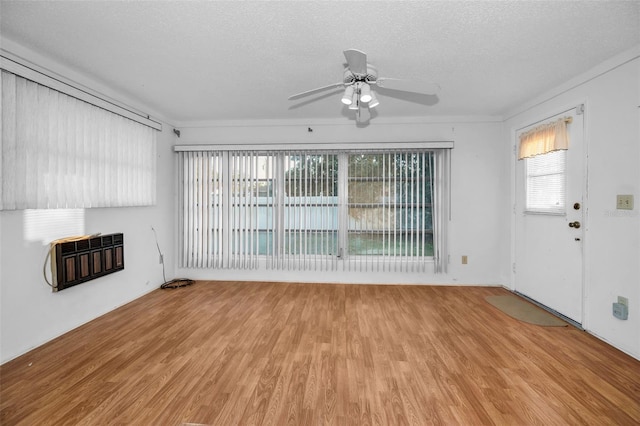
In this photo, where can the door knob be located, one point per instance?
(575, 224)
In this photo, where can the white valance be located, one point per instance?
(545, 138)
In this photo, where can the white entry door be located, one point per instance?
(548, 245)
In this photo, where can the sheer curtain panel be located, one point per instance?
(61, 152)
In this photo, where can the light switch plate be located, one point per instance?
(624, 202)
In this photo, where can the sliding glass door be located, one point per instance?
(365, 210)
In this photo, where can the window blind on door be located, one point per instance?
(546, 183)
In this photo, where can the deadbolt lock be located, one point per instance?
(576, 206)
(575, 224)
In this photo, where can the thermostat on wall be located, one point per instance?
(620, 311)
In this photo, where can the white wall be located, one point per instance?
(31, 314)
(611, 94)
(479, 193)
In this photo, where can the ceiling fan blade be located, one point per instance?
(425, 88)
(357, 61)
(312, 91)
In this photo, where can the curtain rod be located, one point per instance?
(543, 127)
(551, 116)
(39, 77)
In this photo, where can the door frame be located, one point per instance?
(528, 118)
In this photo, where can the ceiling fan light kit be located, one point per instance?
(347, 98)
(358, 79)
(354, 104)
(374, 100)
(365, 93)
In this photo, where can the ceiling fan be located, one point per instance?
(358, 80)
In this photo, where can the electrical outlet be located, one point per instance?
(623, 301)
(624, 202)
(464, 260)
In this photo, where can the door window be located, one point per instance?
(545, 180)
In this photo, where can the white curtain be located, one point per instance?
(61, 152)
(545, 138)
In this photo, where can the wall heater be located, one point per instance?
(80, 259)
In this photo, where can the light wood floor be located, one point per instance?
(307, 354)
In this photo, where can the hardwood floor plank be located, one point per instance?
(226, 353)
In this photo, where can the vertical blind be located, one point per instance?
(61, 152)
(307, 211)
(202, 213)
(389, 214)
(311, 210)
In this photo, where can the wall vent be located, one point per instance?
(84, 259)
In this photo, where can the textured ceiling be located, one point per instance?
(200, 61)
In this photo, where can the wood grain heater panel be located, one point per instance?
(86, 259)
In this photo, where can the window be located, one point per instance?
(310, 207)
(545, 183)
(389, 204)
(543, 149)
(372, 210)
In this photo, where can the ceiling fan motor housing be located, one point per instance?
(370, 77)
